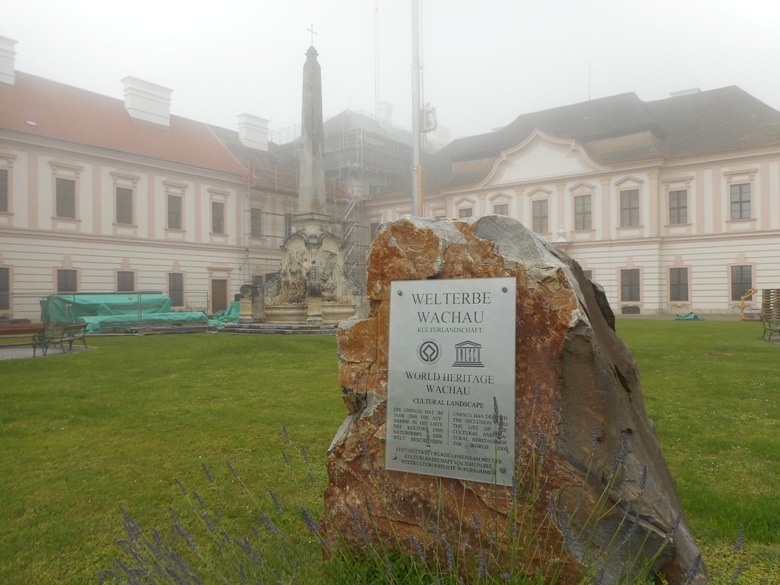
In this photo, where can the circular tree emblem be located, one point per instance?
(428, 352)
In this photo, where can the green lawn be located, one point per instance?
(713, 390)
(117, 425)
(83, 434)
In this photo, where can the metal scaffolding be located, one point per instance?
(363, 155)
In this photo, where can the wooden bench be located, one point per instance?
(18, 333)
(59, 334)
(771, 327)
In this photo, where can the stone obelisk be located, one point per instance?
(312, 216)
(312, 219)
(312, 286)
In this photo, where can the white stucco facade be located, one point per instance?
(682, 243)
(35, 242)
(95, 198)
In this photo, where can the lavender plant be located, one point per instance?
(281, 546)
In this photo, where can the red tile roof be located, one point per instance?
(75, 115)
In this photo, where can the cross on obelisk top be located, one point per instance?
(311, 30)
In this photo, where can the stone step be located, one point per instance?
(278, 329)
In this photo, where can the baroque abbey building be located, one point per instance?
(671, 205)
(102, 195)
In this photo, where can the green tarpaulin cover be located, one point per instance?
(106, 323)
(229, 316)
(115, 312)
(689, 317)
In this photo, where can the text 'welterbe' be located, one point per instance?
(452, 298)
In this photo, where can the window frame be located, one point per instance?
(583, 218)
(65, 173)
(67, 280)
(630, 208)
(5, 190)
(735, 279)
(678, 214)
(539, 220)
(465, 212)
(5, 288)
(679, 288)
(177, 213)
(501, 209)
(630, 292)
(743, 205)
(121, 285)
(256, 221)
(289, 226)
(218, 218)
(61, 202)
(129, 193)
(176, 293)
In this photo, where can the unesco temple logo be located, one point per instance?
(467, 355)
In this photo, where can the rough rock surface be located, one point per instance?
(580, 421)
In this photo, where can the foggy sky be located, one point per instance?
(485, 62)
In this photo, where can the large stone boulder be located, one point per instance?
(592, 488)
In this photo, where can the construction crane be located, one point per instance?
(423, 116)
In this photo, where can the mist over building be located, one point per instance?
(671, 205)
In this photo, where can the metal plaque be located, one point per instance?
(451, 379)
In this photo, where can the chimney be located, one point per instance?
(147, 101)
(7, 61)
(253, 131)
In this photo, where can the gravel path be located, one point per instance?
(19, 352)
